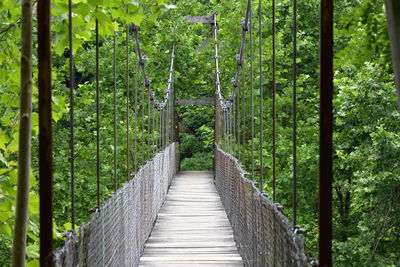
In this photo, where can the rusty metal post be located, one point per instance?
(326, 128)
(45, 134)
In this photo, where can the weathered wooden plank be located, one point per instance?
(192, 228)
(192, 258)
(191, 264)
(218, 250)
(393, 18)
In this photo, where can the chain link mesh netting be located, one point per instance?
(115, 235)
(264, 236)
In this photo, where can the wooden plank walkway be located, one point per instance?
(192, 228)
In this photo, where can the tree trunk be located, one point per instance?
(25, 132)
(393, 18)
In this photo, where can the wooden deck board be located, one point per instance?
(192, 228)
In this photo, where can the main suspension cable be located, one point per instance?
(164, 107)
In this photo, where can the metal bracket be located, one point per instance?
(206, 20)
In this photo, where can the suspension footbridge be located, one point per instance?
(163, 217)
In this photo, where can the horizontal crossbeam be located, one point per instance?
(207, 101)
(200, 19)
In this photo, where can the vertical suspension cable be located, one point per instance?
(244, 111)
(294, 112)
(168, 122)
(252, 90)
(223, 130)
(115, 110)
(128, 148)
(228, 116)
(153, 149)
(97, 116)
(157, 128)
(273, 102)
(227, 148)
(71, 114)
(171, 120)
(238, 119)
(136, 112)
(160, 129)
(167, 115)
(234, 120)
(220, 124)
(159, 111)
(245, 27)
(261, 97)
(148, 123)
(164, 128)
(142, 109)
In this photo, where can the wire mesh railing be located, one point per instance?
(263, 234)
(117, 231)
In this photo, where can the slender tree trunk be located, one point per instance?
(25, 132)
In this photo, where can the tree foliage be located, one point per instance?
(366, 133)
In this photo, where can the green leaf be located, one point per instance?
(6, 229)
(32, 251)
(33, 203)
(33, 263)
(136, 18)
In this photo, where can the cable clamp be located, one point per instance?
(279, 206)
(95, 209)
(148, 82)
(245, 27)
(234, 82)
(239, 60)
(143, 59)
(299, 230)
